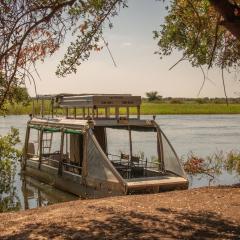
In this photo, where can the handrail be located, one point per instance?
(71, 165)
(140, 160)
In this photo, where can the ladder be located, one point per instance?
(47, 142)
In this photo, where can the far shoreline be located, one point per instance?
(154, 108)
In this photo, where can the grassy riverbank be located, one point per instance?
(205, 213)
(156, 108)
(189, 108)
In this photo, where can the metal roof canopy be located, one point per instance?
(97, 101)
(90, 104)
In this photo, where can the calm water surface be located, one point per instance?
(202, 134)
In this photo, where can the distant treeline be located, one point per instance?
(167, 105)
(204, 100)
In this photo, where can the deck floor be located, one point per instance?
(156, 181)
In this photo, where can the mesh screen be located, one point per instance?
(33, 145)
(118, 141)
(144, 145)
(171, 161)
(97, 166)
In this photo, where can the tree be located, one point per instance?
(230, 11)
(197, 30)
(153, 95)
(213, 165)
(194, 27)
(31, 30)
(8, 156)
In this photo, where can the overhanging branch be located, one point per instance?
(231, 15)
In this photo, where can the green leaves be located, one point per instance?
(153, 95)
(8, 157)
(7, 145)
(213, 165)
(194, 28)
(95, 13)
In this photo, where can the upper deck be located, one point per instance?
(86, 106)
(82, 123)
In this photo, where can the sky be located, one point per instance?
(138, 69)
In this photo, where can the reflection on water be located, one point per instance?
(26, 193)
(37, 194)
(202, 134)
(9, 200)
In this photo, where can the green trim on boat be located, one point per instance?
(52, 130)
(72, 131)
(49, 129)
(35, 127)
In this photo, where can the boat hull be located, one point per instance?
(93, 188)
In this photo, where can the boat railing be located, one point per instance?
(96, 106)
(53, 159)
(126, 164)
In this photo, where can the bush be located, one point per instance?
(8, 157)
(201, 100)
(153, 96)
(176, 101)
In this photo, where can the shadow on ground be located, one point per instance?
(177, 224)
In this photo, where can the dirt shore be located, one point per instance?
(206, 213)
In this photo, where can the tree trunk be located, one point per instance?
(231, 14)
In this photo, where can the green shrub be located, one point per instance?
(8, 157)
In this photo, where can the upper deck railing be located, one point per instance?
(86, 106)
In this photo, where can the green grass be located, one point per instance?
(151, 108)
(189, 108)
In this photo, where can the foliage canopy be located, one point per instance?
(8, 157)
(153, 95)
(195, 28)
(31, 30)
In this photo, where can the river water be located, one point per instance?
(202, 134)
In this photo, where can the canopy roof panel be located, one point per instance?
(80, 124)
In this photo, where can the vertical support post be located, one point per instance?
(33, 108)
(117, 112)
(138, 112)
(106, 112)
(130, 139)
(52, 102)
(127, 112)
(85, 157)
(66, 138)
(25, 192)
(75, 112)
(160, 150)
(60, 166)
(42, 107)
(66, 112)
(97, 112)
(40, 148)
(130, 146)
(88, 112)
(160, 147)
(25, 151)
(84, 112)
(106, 141)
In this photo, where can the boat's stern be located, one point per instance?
(156, 184)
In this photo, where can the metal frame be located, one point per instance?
(93, 103)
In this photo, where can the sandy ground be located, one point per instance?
(206, 213)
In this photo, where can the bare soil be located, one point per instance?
(205, 213)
